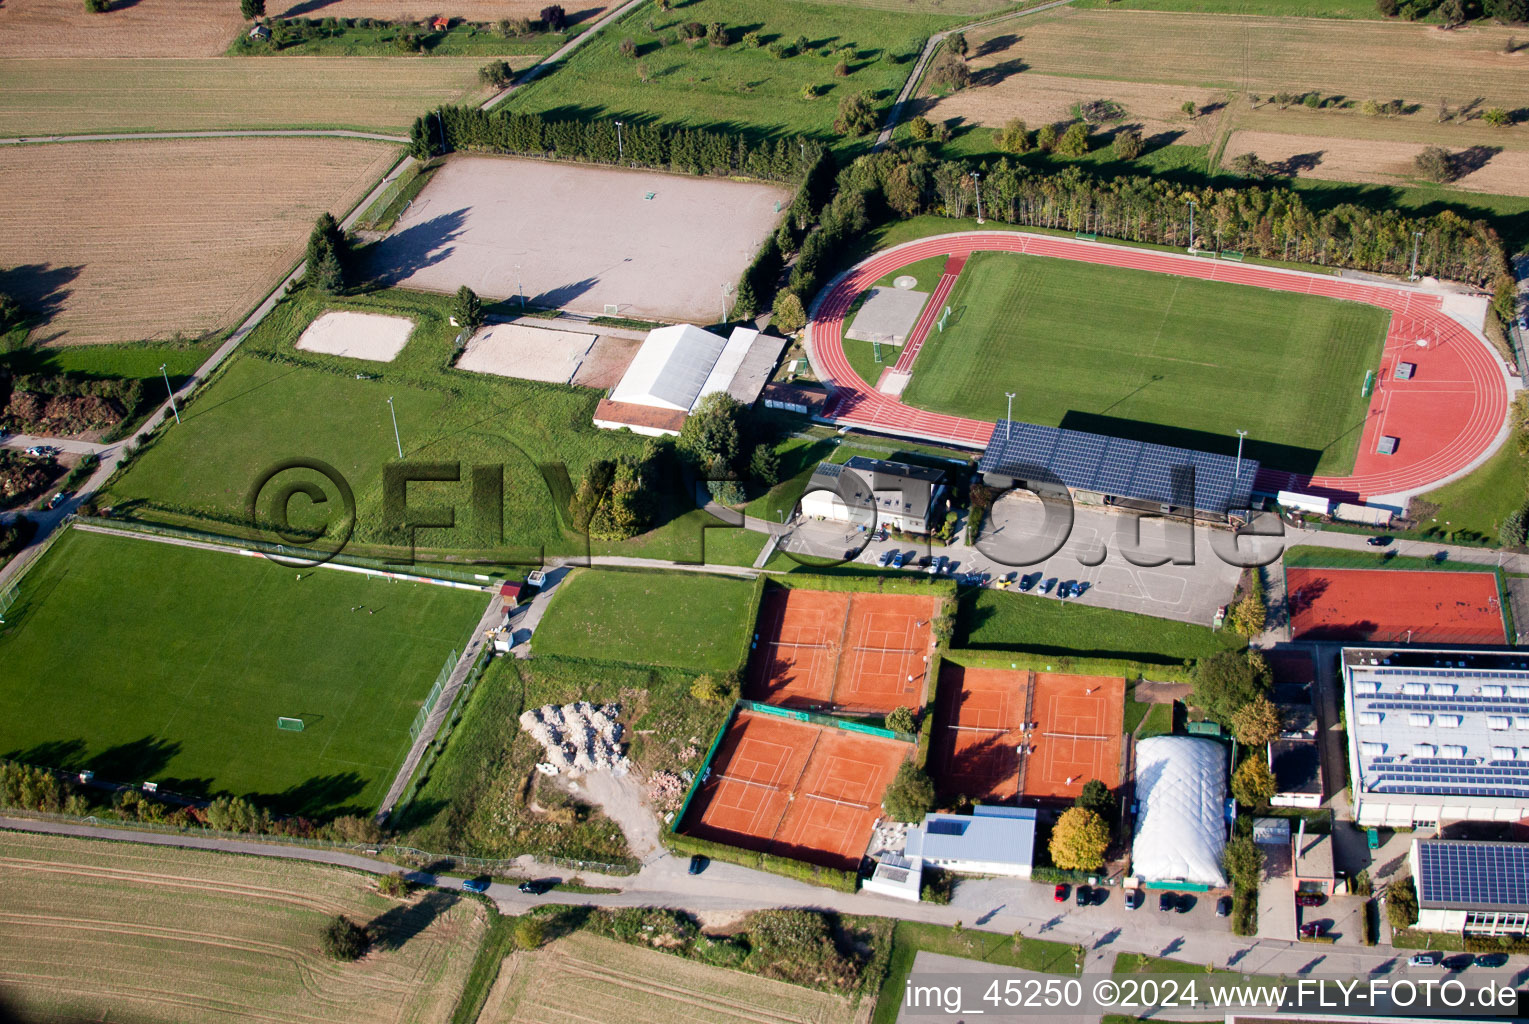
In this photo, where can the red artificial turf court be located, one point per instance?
(795, 789)
(1395, 605)
(817, 650)
(1078, 733)
(978, 719)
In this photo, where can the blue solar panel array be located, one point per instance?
(1492, 875)
(1120, 468)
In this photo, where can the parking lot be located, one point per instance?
(1093, 554)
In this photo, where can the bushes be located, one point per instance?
(1401, 903)
(856, 115)
(496, 73)
(798, 946)
(1243, 863)
(786, 867)
(910, 795)
(343, 939)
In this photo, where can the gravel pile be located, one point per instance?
(579, 737)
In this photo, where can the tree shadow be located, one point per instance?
(1468, 161)
(1298, 162)
(321, 796)
(66, 755)
(397, 925)
(996, 43)
(39, 287)
(404, 253)
(995, 73)
(141, 759)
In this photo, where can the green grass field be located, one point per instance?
(993, 621)
(1167, 359)
(739, 87)
(273, 402)
(146, 661)
(674, 619)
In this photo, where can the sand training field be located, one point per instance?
(117, 931)
(582, 978)
(530, 353)
(126, 241)
(579, 237)
(358, 335)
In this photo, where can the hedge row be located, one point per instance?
(859, 583)
(1080, 666)
(832, 878)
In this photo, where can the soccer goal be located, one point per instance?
(1086, 236)
(1231, 254)
(289, 724)
(1368, 385)
(7, 600)
(944, 319)
(611, 309)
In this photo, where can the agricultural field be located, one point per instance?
(486, 11)
(1383, 162)
(676, 619)
(582, 977)
(1064, 57)
(179, 661)
(143, 28)
(131, 241)
(740, 87)
(273, 401)
(1156, 360)
(381, 94)
(91, 930)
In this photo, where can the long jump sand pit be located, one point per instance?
(817, 649)
(358, 335)
(795, 789)
(530, 353)
(578, 237)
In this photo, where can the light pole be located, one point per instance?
(620, 149)
(977, 179)
(394, 414)
(723, 286)
(1238, 473)
(172, 392)
(1191, 225)
(1008, 423)
(1416, 237)
(520, 289)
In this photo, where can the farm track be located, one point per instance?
(231, 133)
(1481, 415)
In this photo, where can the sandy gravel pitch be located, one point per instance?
(582, 237)
(358, 335)
(530, 353)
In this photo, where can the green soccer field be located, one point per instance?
(145, 661)
(1158, 358)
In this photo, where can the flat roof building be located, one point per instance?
(1471, 888)
(989, 841)
(902, 495)
(1437, 735)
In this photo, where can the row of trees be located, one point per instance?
(331, 260)
(683, 150)
(616, 498)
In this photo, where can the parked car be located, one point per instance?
(937, 566)
(1028, 582)
(1459, 962)
(1492, 960)
(58, 499)
(1082, 896)
(884, 559)
(1133, 899)
(1311, 931)
(698, 864)
(1060, 895)
(1078, 588)
(1224, 907)
(1047, 584)
(897, 559)
(1165, 901)
(1426, 959)
(1309, 899)
(42, 451)
(1184, 903)
(536, 886)
(1378, 542)
(479, 884)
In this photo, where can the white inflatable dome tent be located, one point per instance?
(1181, 816)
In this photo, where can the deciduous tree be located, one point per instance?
(343, 939)
(1257, 722)
(789, 317)
(1128, 144)
(856, 115)
(1078, 840)
(554, 18)
(1253, 782)
(910, 795)
(252, 9)
(1436, 164)
(1226, 681)
(900, 719)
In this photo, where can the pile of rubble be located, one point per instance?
(579, 737)
(666, 790)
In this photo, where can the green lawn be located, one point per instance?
(994, 621)
(1150, 356)
(138, 360)
(381, 41)
(908, 937)
(1314, 556)
(1364, 9)
(739, 87)
(145, 661)
(272, 402)
(677, 619)
(1474, 507)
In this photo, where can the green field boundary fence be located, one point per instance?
(47, 545)
(441, 679)
(705, 769)
(830, 721)
(442, 738)
(404, 856)
(393, 570)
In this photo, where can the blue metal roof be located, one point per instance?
(1002, 835)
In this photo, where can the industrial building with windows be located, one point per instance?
(1437, 735)
(1471, 888)
(902, 496)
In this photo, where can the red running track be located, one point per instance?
(1446, 417)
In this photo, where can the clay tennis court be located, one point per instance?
(1395, 605)
(819, 650)
(795, 789)
(979, 732)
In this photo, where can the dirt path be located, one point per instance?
(624, 802)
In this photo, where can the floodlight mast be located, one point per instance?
(1191, 225)
(977, 181)
(1416, 237)
(1237, 474)
(394, 414)
(620, 150)
(1008, 423)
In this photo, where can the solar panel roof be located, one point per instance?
(1119, 467)
(1474, 875)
